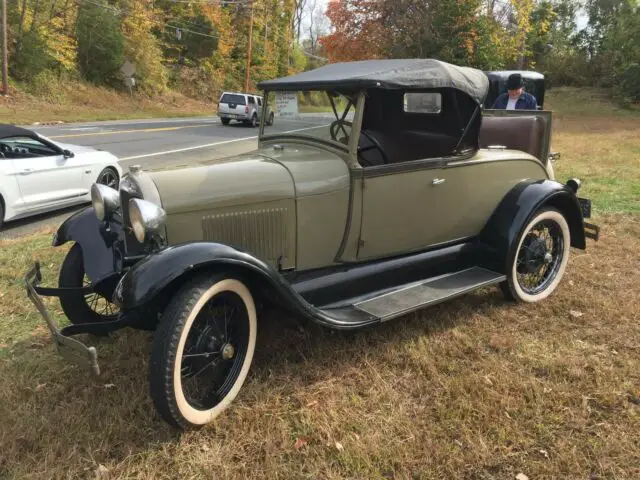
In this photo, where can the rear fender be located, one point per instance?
(151, 282)
(517, 208)
(96, 242)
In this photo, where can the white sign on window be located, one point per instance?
(286, 104)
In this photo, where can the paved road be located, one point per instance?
(152, 143)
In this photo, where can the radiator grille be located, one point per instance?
(262, 232)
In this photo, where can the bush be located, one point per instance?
(627, 85)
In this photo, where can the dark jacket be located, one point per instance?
(525, 102)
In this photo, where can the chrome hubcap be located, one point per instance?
(228, 351)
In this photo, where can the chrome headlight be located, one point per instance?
(146, 218)
(105, 200)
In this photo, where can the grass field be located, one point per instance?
(81, 102)
(475, 389)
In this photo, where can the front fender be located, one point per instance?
(95, 241)
(155, 278)
(517, 208)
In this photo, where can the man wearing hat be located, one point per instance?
(515, 98)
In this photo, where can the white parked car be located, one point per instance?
(39, 175)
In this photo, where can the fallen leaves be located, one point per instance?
(301, 442)
(575, 313)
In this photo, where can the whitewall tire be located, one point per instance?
(202, 350)
(540, 258)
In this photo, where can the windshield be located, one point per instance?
(232, 98)
(326, 116)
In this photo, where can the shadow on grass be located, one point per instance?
(52, 411)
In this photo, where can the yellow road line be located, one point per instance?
(146, 130)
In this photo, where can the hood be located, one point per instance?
(244, 179)
(77, 149)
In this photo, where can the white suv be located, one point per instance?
(243, 107)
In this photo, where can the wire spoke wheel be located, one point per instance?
(78, 306)
(99, 304)
(540, 258)
(214, 351)
(202, 350)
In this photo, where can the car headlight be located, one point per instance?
(105, 200)
(146, 218)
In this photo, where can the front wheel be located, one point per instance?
(202, 350)
(540, 258)
(271, 119)
(80, 308)
(254, 121)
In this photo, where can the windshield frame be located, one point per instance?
(356, 102)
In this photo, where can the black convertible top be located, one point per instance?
(7, 131)
(413, 73)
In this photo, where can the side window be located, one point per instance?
(259, 102)
(252, 100)
(24, 147)
(423, 102)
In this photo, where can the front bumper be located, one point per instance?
(67, 346)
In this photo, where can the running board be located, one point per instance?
(398, 302)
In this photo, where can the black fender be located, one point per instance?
(152, 281)
(516, 210)
(96, 241)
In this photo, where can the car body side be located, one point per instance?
(85, 165)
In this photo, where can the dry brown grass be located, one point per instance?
(78, 101)
(478, 388)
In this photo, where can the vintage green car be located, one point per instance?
(386, 189)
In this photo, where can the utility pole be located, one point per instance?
(5, 55)
(248, 72)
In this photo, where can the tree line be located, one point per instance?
(198, 47)
(574, 42)
(201, 47)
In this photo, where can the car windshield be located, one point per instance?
(232, 98)
(321, 115)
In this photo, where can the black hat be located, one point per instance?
(515, 81)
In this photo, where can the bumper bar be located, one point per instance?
(69, 347)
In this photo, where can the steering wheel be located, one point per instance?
(334, 127)
(374, 144)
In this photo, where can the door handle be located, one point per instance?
(438, 181)
(26, 171)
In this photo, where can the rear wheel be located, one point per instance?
(254, 120)
(225, 121)
(271, 118)
(540, 259)
(202, 350)
(77, 307)
(1, 212)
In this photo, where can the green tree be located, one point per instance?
(101, 45)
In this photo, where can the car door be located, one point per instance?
(400, 206)
(474, 187)
(45, 176)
